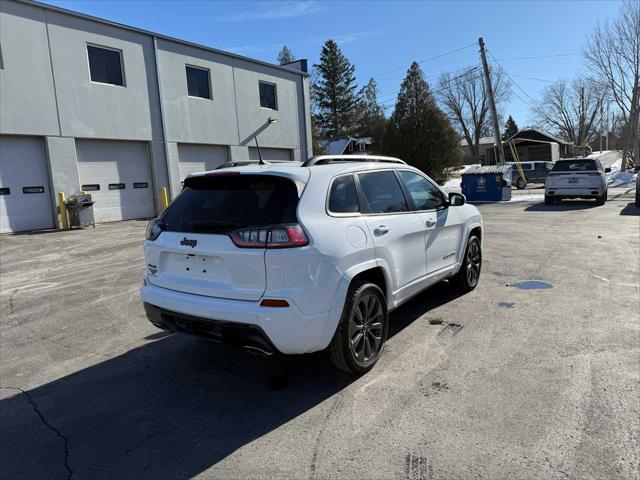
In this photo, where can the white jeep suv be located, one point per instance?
(306, 257)
(576, 178)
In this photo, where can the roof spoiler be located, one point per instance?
(328, 159)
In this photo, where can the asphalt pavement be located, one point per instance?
(516, 380)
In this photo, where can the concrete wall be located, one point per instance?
(46, 90)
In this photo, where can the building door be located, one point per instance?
(199, 158)
(25, 195)
(118, 177)
(270, 154)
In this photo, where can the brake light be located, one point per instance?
(279, 236)
(154, 229)
(273, 302)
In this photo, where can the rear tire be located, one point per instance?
(549, 200)
(521, 183)
(601, 199)
(468, 276)
(361, 334)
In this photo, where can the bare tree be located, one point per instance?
(465, 102)
(571, 110)
(613, 49)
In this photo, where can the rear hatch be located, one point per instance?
(195, 252)
(579, 173)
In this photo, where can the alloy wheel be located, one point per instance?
(366, 328)
(474, 260)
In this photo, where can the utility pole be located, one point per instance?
(492, 103)
(601, 124)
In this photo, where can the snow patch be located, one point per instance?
(616, 178)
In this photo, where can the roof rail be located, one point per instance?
(244, 163)
(328, 159)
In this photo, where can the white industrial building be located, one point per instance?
(91, 105)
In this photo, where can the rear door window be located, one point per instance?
(222, 203)
(343, 197)
(382, 192)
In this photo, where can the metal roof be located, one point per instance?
(488, 169)
(157, 35)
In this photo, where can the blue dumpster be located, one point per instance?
(487, 184)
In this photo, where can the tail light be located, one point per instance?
(279, 236)
(154, 229)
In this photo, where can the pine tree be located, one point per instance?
(510, 128)
(372, 121)
(336, 100)
(285, 56)
(418, 131)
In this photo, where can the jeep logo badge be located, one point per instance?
(187, 242)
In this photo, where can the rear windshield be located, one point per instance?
(221, 203)
(574, 166)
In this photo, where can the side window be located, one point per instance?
(268, 95)
(425, 195)
(198, 82)
(343, 197)
(382, 192)
(105, 65)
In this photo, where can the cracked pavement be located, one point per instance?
(499, 383)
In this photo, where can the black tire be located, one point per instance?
(468, 276)
(364, 314)
(601, 199)
(549, 200)
(521, 183)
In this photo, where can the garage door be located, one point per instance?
(25, 196)
(198, 158)
(118, 177)
(270, 154)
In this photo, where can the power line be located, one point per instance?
(423, 61)
(533, 101)
(465, 70)
(432, 91)
(539, 56)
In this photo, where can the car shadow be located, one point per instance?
(563, 206)
(630, 209)
(171, 408)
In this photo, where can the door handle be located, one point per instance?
(381, 230)
(430, 223)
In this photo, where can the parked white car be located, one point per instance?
(576, 178)
(297, 259)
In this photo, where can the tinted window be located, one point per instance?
(140, 185)
(198, 84)
(221, 203)
(105, 65)
(343, 197)
(90, 187)
(574, 165)
(116, 186)
(5, 191)
(268, 95)
(424, 194)
(32, 189)
(382, 192)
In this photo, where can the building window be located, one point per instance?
(268, 95)
(91, 187)
(350, 146)
(1, 60)
(362, 147)
(116, 186)
(198, 82)
(105, 65)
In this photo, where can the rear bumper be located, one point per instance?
(237, 334)
(285, 330)
(565, 192)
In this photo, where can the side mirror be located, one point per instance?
(607, 170)
(456, 199)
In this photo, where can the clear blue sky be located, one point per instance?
(381, 36)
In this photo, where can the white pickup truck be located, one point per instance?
(576, 178)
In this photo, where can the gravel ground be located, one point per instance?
(505, 382)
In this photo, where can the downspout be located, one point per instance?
(162, 120)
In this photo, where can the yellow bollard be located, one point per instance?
(164, 197)
(63, 211)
